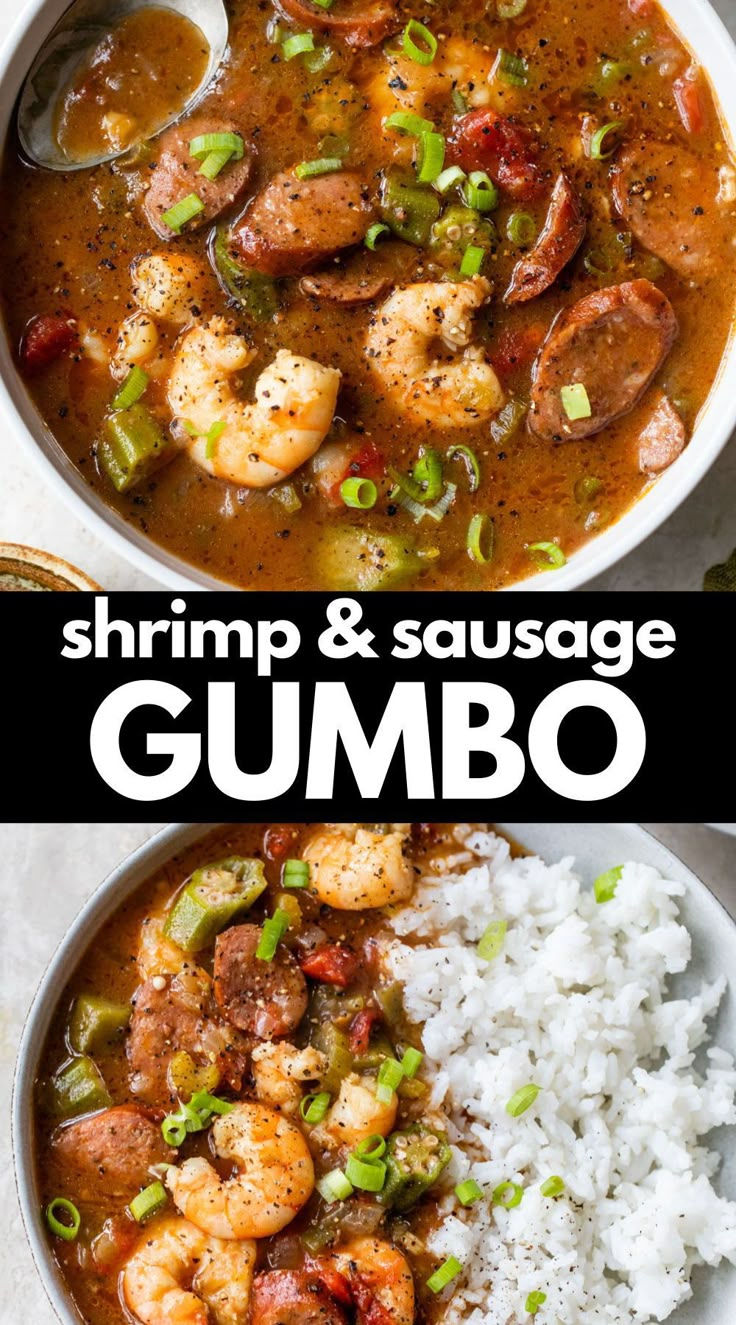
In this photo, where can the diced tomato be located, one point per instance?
(359, 1033)
(46, 338)
(515, 350)
(483, 140)
(279, 841)
(333, 964)
(641, 8)
(689, 101)
(368, 462)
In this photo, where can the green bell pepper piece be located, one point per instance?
(215, 895)
(95, 1022)
(79, 1088)
(415, 1159)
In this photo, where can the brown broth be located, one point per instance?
(136, 79)
(67, 244)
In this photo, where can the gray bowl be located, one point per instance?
(595, 846)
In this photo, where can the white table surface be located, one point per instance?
(47, 871)
(701, 533)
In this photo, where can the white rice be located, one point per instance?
(576, 1003)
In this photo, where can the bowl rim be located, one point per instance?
(117, 885)
(715, 424)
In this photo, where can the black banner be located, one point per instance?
(406, 706)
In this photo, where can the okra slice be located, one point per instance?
(132, 447)
(95, 1022)
(79, 1088)
(415, 1159)
(214, 896)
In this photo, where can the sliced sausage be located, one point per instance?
(613, 341)
(357, 23)
(181, 1015)
(664, 196)
(175, 175)
(293, 1297)
(558, 243)
(266, 999)
(111, 1153)
(297, 224)
(362, 277)
(663, 437)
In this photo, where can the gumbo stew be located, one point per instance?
(418, 296)
(233, 1123)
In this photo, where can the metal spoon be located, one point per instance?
(78, 32)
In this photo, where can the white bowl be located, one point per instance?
(709, 41)
(595, 848)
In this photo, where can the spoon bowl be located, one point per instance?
(77, 33)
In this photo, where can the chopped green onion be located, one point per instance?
(522, 1100)
(508, 1195)
(460, 101)
(553, 1186)
(327, 165)
(473, 259)
(213, 437)
(448, 1271)
(192, 1117)
(372, 1148)
(205, 1105)
(598, 140)
(534, 1301)
(441, 507)
(296, 874)
(468, 1192)
(424, 52)
(366, 1175)
(63, 1228)
(480, 192)
(298, 44)
(481, 529)
(606, 884)
(427, 472)
(232, 143)
(405, 122)
(521, 228)
(575, 401)
(214, 164)
(511, 8)
(359, 493)
(335, 1186)
(411, 1062)
(547, 556)
(374, 234)
(324, 4)
(596, 263)
(449, 178)
(512, 69)
(317, 60)
(390, 1074)
(183, 211)
(470, 460)
(587, 489)
(431, 158)
(492, 940)
(148, 1202)
(132, 389)
(274, 929)
(313, 1108)
(507, 423)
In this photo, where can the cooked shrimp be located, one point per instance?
(180, 1276)
(454, 393)
(356, 1114)
(280, 1071)
(157, 954)
(357, 872)
(169, 286)
(275, 1176)
(262, 442)
(376, 1273)
(137, 343)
